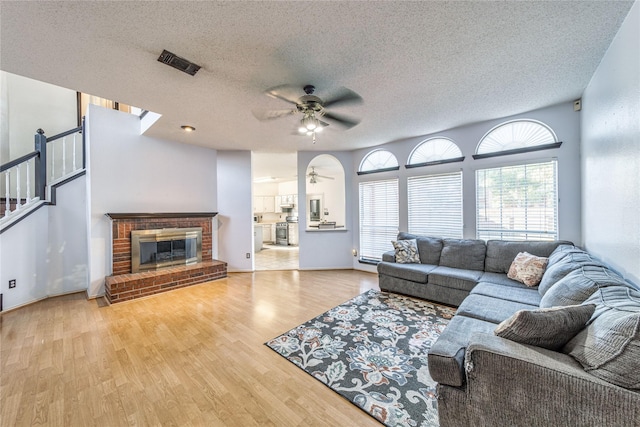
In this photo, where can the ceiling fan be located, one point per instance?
(313, 176)
(314, 110)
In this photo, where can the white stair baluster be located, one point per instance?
(28, 184)
(7, 207)
(53, 162)
(74, 151)
(64, 156)
(18, 198)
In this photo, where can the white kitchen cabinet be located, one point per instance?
(268, 203)
(278, 202)
(266, 233)
(257, 238)
(263, 204)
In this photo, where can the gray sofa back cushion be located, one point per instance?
(570, 262)
(579, 285)
(501, 253)
(429, 248)
(560, 252)
(463, 253)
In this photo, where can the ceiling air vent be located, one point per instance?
(179, 63)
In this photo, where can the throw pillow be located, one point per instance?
(406, 251)
(527, 268)
(549, 328)
(609, 348)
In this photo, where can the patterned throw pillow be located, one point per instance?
(527, 268)
(407, 251)
(549, 328)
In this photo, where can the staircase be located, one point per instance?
(30, 181)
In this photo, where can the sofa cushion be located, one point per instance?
(570, 262)
(623, 298)
(429, 248)
(413, 272)
(500, 279)
(609, 348)
(527, 268)
(562, 251)
(490, 309)
(454, 277)
(406, 251)
(578, 285)
(521, 294)
(500, 253)
(446, 355)
(389, 256)
(463, 253)
(549, 328)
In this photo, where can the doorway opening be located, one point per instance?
(275, 211)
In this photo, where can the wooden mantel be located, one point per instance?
(161, 215)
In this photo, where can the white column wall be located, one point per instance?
(235, 217)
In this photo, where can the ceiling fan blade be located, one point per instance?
(343, 96)
(325, 177)
(284, 92)
(342, 120)
(264, 115)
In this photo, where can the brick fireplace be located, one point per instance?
(124, 285)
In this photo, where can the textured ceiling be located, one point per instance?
(420, 67)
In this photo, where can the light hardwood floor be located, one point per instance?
(189, 357)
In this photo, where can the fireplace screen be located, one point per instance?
(152, 249)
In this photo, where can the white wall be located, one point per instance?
(129, 172)
(235, 217)
(326, 249)
(561, 118)
(611, 153)
(32, 104)
(67, 245)
(46, 252)
(23, 257)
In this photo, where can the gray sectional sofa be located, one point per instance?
(486, 380)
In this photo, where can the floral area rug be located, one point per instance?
(372, 350)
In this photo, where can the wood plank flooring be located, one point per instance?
(190, 357)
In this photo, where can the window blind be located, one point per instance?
(518, 202)
(435, 205)
(379, 217)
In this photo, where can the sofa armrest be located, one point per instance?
(514, 384)
(389, 256)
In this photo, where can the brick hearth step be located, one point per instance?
(124, 287)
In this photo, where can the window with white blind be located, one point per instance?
(435, 205)
(518, 202)
(379, 217)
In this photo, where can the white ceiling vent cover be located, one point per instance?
(178, 63)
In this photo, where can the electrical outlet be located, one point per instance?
(12, 283)
(248, 255)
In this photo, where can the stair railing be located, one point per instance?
(30, 170)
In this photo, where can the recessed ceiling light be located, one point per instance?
(187, 128)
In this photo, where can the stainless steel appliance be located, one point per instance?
(292, 230)
(282, 233)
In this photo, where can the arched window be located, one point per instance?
(378, 161)
(434, 151)
(518, 136)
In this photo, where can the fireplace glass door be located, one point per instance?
(152, 249)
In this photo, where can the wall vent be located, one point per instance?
(178, 63)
